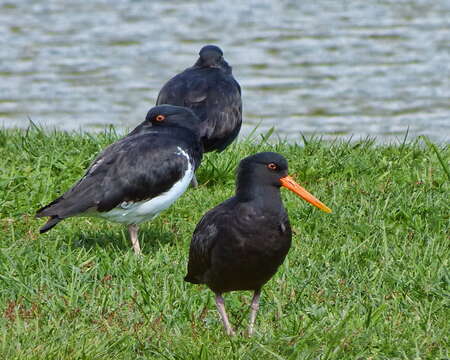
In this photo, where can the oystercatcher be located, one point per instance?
(137, 177)
(210, 90)
(239, 244)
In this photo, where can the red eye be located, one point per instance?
(160, 117)
(272, 166)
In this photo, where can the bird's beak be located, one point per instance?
(289, 183)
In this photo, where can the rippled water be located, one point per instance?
(334, 68)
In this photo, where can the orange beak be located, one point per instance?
(289, 183)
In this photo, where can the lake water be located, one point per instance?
(327, 67)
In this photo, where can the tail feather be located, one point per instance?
(48, 211)
(45, 210)
(49, 224)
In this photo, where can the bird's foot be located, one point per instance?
(230, 331)
(250, 331)
(223, 315)
(254, 307)
(133, 229)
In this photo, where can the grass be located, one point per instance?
(370, 281)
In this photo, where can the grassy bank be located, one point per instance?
(370, 280)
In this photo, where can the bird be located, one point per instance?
(137, 177)
(211, 91)
(239, 244)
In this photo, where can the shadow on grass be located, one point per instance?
(117, 239)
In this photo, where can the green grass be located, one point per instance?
(370, 281)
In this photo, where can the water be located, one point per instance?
(333, 68)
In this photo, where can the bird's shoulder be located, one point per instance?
(213, 222)
(205, 237)
(230, 216)
(195, 85)
(189, 86)
(253, 219)
(148, 148)
(223, 84)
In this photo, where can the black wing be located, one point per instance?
(135, 168)
(214, 96)
(207, 234)
(224, 114)
(185, 89)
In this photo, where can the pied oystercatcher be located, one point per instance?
(137, 177)
(239, 244)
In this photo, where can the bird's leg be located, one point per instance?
(194, 182)
(133, 229)
(223, 314)
(253, 310)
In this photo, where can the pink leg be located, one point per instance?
(133, 229)
(254, 307)
(194, 182)
(223, 315)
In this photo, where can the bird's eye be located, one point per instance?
(160, 117)
(272, 166)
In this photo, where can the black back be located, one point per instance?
(210, 90)
(140, 166)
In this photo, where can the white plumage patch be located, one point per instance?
(137, 212)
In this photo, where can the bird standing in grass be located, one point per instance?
(137, 177)
(210, 90)
(239, 244)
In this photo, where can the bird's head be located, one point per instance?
(169, 116)
(211, 56)
(271, 169)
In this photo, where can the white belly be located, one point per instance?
(137, 212)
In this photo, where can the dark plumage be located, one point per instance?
(240, 244)
(137, 177)
(210, 90)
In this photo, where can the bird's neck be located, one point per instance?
(223, 67)
(181, 130)
(266, 196)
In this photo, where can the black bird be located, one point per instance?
(137, 177)
(239, 244)
(210, 90)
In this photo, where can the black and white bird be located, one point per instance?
(239, 244)
(137, 177)
(211, 91)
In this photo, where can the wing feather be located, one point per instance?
(206, 235)
(133, 169)
(215, 97)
